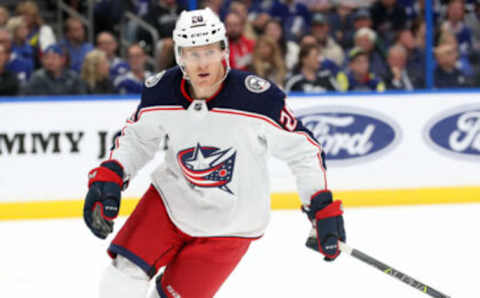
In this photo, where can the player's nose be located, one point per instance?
(203, 63)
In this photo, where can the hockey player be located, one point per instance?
(210, 198)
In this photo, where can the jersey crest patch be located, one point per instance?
(256, 84)
(207, 166)
(153, 80)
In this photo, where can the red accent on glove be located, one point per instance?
(103, 174)
(101, 211)
(332, 210)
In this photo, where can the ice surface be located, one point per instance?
(438, 245)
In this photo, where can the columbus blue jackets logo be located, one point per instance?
(256, 84)
(206, 166)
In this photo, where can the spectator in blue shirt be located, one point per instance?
(321, 31)
(415, 56)
(463, 59)
(309, 76)
(365, 39)
(15, 64)
(325, 64)
(132, 81)
(472, 20)
(19, 31)
(9, 84)
(295, 17)
(447, 74)
(357, 77)
(53, 78)
(75, 44)
(254, 7)
(106, 43)
(411, 8)
(40, 35)
(456, 25)
(341, 22)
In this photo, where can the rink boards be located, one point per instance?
(391, 149)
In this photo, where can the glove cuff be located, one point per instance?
(318, 201)
(332, 210)
(108, 171)
(114, 165)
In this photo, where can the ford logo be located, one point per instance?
(348, 133)
(456, 132)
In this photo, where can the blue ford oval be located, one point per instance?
(348, 133)
(457, 132)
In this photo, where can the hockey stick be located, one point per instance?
(390, 271)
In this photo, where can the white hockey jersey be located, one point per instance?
(214, 180)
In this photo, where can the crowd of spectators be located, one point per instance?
(301, 45)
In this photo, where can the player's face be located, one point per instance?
(203, 64)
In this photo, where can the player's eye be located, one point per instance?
(195, 55)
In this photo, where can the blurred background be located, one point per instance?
(110, 47)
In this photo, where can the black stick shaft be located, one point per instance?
(392, 272)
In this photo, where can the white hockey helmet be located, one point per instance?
(198, 28)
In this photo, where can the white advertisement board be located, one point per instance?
(372, 143)
(396, 141)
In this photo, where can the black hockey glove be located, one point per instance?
(102, 202)
(327, 220)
